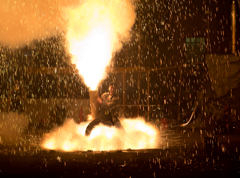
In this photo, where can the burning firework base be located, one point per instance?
(184, 152)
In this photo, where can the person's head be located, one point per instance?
(112, 88)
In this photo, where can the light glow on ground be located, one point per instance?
(71, 137)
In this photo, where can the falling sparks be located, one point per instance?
(70, 137)
(12, 126)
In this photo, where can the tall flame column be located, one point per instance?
(93, 95)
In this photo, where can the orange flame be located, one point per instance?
(70, 137)
(92, 55)
(93, 35)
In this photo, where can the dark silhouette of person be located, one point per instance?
(108, 114)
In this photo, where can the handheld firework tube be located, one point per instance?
(93, 95)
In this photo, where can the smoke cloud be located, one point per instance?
(24, 20)
(21, 21)
(117, 15)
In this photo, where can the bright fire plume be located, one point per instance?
(70, 137)
(96, 29)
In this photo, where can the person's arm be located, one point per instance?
(100, 100)
(102, 96)
(115, 101)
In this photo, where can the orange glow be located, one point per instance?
(95, 30)
(70, 137)
(92, 55)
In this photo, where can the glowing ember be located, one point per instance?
(70, 137)
(94, 31)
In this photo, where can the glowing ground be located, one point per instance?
(137, 134)
(184, 153)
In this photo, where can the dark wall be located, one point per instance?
(220, 27)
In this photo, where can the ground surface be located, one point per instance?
(183, 153)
